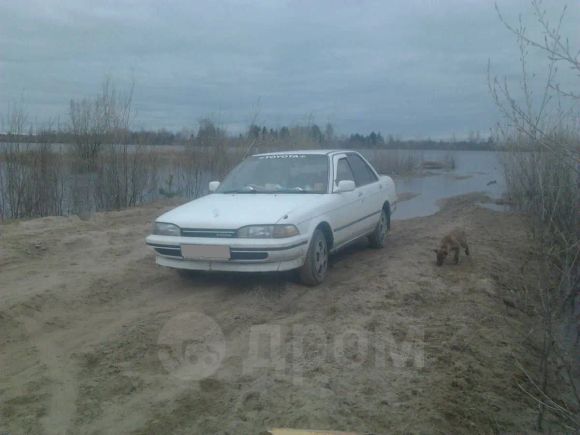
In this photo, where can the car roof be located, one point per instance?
(310, 152)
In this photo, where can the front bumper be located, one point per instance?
(246, 255)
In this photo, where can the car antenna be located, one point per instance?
(249, 149)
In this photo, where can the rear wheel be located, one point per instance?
(315, 266)
(378, 236)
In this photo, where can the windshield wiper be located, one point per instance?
(292, 191)
(251, 189)
(239, 191)
(248, 188)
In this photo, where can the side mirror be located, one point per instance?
(345, 186)
(213, 185)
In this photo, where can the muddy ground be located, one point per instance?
(83, 307)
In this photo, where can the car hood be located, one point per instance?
(232, 211)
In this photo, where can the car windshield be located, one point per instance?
(279, 173)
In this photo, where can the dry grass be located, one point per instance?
(395, 162)
(31, 182)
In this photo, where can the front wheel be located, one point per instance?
(315, 266)
(378, 236)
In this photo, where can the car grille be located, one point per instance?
(245, 255)
(213, 234)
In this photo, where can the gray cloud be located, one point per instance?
(413, 68)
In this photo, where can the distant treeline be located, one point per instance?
(208, 133)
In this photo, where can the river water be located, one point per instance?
(475, 171)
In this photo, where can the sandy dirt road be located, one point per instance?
(83, 307)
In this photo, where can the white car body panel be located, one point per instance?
(350, 215)
(235, 210)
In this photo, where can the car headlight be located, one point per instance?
(268, 231)
(163, 229)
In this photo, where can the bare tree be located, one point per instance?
(542, 170)
(110, 172)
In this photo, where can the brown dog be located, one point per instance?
(452, 242)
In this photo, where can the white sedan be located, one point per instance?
(279, 211)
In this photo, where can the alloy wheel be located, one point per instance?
(320, 258)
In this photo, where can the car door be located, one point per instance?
(369, 192)
(347, 213)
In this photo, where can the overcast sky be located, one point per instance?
(413, 68)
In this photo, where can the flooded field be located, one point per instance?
(171, 172)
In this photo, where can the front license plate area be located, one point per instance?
(205, 252)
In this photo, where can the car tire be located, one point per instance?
(378, 236)
(314, 269)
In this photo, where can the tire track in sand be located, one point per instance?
(63, 389)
